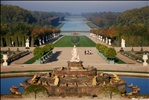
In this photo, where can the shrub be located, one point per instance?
(75, 40)
(38, 52)
(102, 48)
(35, 91)
(97, 46)
(110, 53)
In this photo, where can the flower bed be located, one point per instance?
(17, 56)
(134, 56)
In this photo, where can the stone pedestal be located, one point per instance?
(75, 65)
(5, 57)
(145, 57)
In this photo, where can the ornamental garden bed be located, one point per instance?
(136, 55)
(13, 55)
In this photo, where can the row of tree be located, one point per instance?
(135, 35)
(18, 24)
(17, 35)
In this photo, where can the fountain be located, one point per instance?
(76, 79)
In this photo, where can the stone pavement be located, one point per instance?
(62, 55)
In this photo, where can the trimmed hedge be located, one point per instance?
(40, 51)
(108, 52)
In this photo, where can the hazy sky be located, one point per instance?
(77, 7)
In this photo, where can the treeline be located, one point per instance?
(131, 25)
(129, 17)
(15, 14)
(18, 24)
(102, 19)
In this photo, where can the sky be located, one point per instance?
(77, 7)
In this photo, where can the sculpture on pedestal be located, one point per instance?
(145, 57)
(5, 57)
(109, 41)
(75, 56)
(123, 43)
(27, 44)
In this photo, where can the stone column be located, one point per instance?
(145, 57)
(5, 57)
(109, 41)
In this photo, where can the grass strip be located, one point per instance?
(66, 42)
(30, 61)
(119, 61)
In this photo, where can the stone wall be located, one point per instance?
(91, 72)
(72, 90)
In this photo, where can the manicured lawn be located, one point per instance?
(30, 61)
(66, 42)
(119, 61)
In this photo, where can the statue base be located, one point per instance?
(75, 65)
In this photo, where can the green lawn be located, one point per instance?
(30, 61)
(66, 42)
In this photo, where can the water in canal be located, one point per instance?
(143, 83)
(75, 24)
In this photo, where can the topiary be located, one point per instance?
(75, 40)
(35, 91)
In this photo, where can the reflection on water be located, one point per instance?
(143, 83)
(6, 83)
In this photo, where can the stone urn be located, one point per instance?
(5, 57)
(145, 58)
